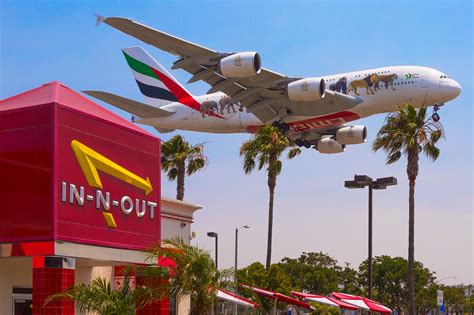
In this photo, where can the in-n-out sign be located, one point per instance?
(91, 163)
(72, 194)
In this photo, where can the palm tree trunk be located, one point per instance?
(411, 247)
(270, 228)
(412, 172)
(271, 188)
(180, 180)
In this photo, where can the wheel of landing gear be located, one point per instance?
(306, 144)
(284, 127)
(276, 124)
(299, 142)
(435, 117)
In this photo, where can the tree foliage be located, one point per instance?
(264, 150)
(390, 282)
(321, 274)
(179, 158)
(99, 296)
(409, 132)
(193, 273)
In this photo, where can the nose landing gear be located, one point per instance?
(435, 115)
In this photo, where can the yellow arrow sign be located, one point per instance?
(91, 162)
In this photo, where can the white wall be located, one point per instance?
(87, 274)
(16, 271)
(173, 227)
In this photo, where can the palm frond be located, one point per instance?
(263, 148)
(195, 165)
(408, 130)
(294, 152)
(172, 173)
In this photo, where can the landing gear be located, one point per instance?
(281, 126)
(132, 118)
(303, 143)
(435, 115)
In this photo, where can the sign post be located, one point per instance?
(440, 300)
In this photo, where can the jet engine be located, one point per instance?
(307, 90)
(329, 146)
(241, 65)
(351, 134)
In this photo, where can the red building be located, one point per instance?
(79, 194)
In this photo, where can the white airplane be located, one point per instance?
(244, 96)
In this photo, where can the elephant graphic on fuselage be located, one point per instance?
(209, 108)
(226, 102)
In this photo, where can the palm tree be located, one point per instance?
(409, 132)
(99, 297)
(193, 273)
(179, 158)
(265, 148)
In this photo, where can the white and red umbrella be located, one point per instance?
(279, 297)
(362, 302)
(224, 295)
(324, 300)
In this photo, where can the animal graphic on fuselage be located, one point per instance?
(209, 108)
(340, 86)
(366, 83)
(226, 102)
(387, 80)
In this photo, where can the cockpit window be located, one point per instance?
(443, 77)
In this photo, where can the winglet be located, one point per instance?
(98, 19)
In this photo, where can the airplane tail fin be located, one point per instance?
(128, 105)
(155, 83)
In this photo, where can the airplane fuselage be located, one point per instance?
(395, 86)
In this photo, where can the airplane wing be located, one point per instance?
(136, 108)
(263, 94)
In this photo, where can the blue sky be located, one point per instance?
(43, 41)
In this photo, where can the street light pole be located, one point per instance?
(370, 242)
(215, 235)
(217, 251)
(235, 262)
(236, 253)
(361, 181)
(442, 279)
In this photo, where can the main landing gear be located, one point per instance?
(282, 126)
(303, 143)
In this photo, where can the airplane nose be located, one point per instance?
(451, 89)
(455, 89)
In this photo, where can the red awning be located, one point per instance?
(362, 302)
(324, 300)
(221, 294)
(279, 297)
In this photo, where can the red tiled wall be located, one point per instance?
(47, 281)
(158, 308)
